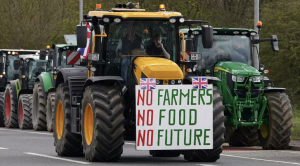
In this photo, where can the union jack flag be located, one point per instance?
(148, 83)
(199, 83)
(85, 51)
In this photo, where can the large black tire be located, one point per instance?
(10, 108)
(39, 122)
(218, 133)
(24, 111)
(50, 110)
(108, 123)
(2, 109)
(244, 136)
(69, 144)
(280, 115)
(165, 153)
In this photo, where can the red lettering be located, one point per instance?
(149, 92)
(150, 137)
(141, 138)
(140, 97)
(140, 117)
(148, 117)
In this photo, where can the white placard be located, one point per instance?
(173, 117)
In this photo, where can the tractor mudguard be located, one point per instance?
(65, 73)
(16, 87)
(274, 89)
(188, 79)
(46, 79)
(93, 80)
(268, 82)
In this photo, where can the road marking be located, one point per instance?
(261, 159)
(129, 143)
(1, 148)
(28, 131)
(56, 158)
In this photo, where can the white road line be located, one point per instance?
(261, 159)
(129, 143)
(1, 148)
(27, 131)
(56, 158)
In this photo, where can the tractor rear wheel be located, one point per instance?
(102, 123)
(244, 136)
(212, 155)
(10, 108)
(24, 111)
(277, 135)
(50, 110)
(65, 142)
(39, 108)
(165, 153)
(1, 109)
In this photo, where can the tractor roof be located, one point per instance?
(124, 15)
(223, 31)
(19, 50)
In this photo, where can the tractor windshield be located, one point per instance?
(227, 48)
(129, 39)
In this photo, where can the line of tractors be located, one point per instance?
(90, 106)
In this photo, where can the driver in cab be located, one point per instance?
(128, 43)
(39, 69)
(157, 48)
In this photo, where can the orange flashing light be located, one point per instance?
(98, 6)
(21, 49)
(266, 71)
(161, 6)
(145, 31)
(259, 24)
(23, 76)
(48, 46)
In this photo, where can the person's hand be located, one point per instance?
(160, 44)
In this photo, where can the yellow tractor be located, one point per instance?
(132, 53)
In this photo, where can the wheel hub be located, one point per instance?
(88, 124)
(264, 131)
(7, 106)
(59, 120)
(21, 112)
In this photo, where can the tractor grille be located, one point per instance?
(242, 90)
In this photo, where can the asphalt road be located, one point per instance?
(26, 147)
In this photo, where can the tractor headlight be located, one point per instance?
(238, 79)
(256, 79)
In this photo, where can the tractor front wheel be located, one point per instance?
(50, 110)
(10, 108)
(102, 123)
(218, 133)
(277, 134)
(2, 109)
(24, 111)
(244, 136)
(39, 108)
(65, 142)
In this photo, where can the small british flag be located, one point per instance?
(199, 83)
(148, 83)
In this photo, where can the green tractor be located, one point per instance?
(21, 67)
(44, 91)
(257, 113)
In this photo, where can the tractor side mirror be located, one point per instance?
(1, 68)
(81, 34)
(17, 64)
(207, 36)
(43, 54)
(274, 43)
(50, 56)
